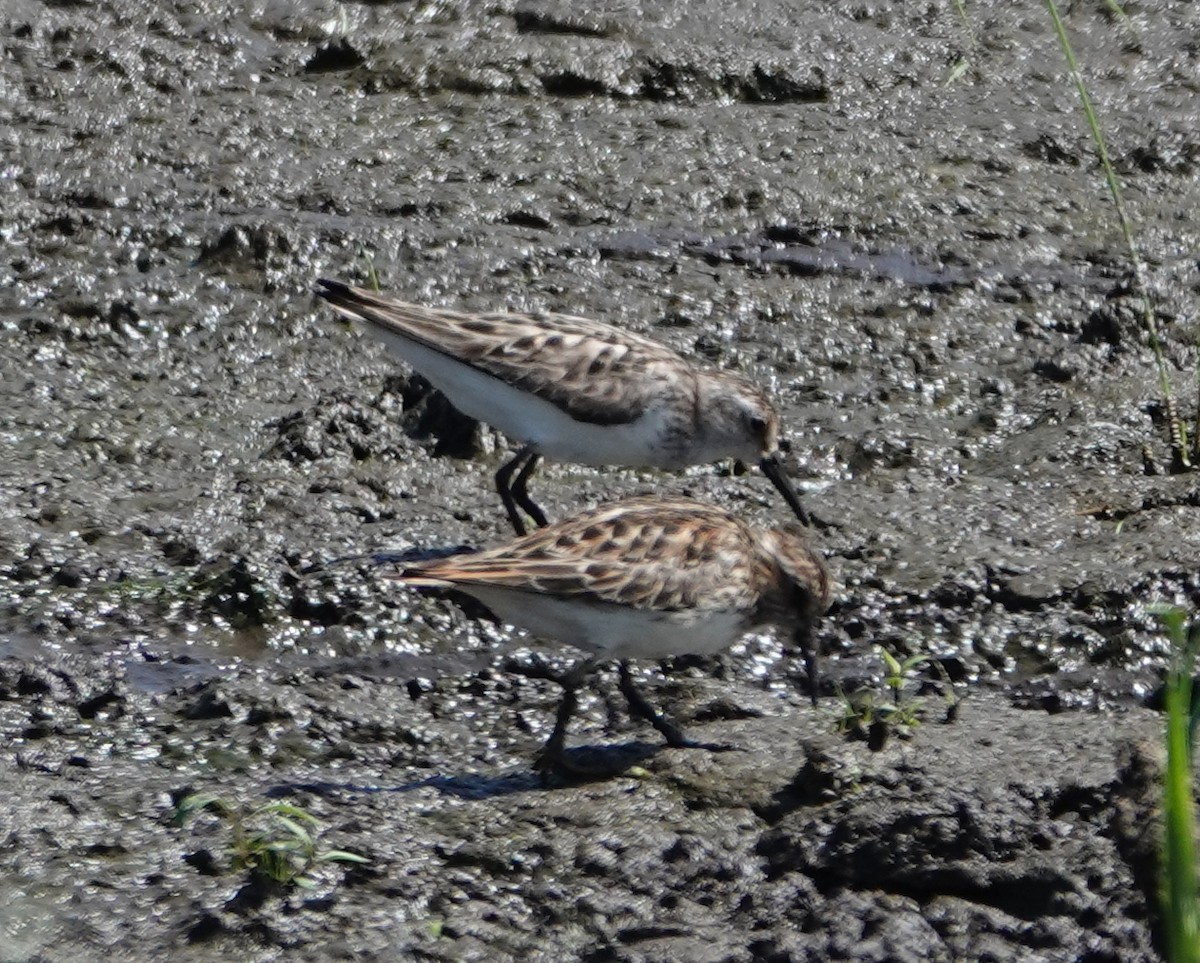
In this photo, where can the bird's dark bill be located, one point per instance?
(807, 644)
(772, 468)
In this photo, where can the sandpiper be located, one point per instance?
(642, 578)
(574, 390)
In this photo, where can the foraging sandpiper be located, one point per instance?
(575, 390)
(643, 578)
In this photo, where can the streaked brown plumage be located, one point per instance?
(644, 578)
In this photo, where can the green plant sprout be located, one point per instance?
(866, 716)
(899, 672)
(276, 842)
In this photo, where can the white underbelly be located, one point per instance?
(528, 419)
(613, 631)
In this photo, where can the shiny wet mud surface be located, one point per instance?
(923, 267)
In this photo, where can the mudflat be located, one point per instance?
(890, 218)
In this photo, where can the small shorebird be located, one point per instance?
(574, 390)
(643, 578)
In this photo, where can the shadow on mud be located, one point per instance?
(596, 763)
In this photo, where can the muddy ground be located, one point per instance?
(892, 219)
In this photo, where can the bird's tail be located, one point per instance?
(417, 579)
(346, 298)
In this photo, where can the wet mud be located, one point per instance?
(918, 259)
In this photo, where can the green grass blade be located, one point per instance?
(285, 847)
(301, 836)
(963, 63)
(341, 856)
(197, 802)
(1181, 911)
(961, 7)
(290, 810)
(1180, 452)
(1117, 12)
(961, 66)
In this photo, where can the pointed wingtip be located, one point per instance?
(328, 286)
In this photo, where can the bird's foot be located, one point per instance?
(554, 765)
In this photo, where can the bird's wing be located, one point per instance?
(594, 372)
(653, 554)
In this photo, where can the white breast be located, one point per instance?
(528, 419)
(613, 631)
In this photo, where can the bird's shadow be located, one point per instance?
(584, 764)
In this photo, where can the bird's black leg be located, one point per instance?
(552, 757)
(520, 494)
(503, 486)
(644, 710)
